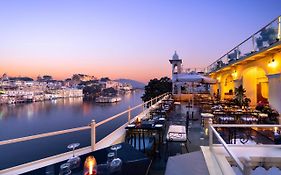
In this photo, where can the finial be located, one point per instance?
(175, 56)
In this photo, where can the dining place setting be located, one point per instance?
(118, 159)
(153, 125)
(229, 113)
(235, 115)
(145, 133)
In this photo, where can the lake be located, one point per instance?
(40, 117)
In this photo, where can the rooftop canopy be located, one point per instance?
(195, 78)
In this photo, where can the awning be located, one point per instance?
(194, 78)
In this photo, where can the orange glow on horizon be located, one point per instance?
(61, 71)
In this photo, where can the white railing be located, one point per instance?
(94, 145)
(194, 70)
(213, 131)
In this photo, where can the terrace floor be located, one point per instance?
(196, 136)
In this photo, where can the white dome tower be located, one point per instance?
(176, 64)
(176, 69)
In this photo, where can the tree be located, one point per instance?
(109, 92)
(267, 35)
(104, 79)
(91, 91)
(47, 77)
(233, 56)
(157, 87)
(240, 98)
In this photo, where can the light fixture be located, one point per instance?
(275, 130)
(90, 166)
(272, 63)
(138, 120)
(234, 74)
(219, 79)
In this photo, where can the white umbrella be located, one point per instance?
(195, 78)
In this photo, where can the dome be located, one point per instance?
(175, 56)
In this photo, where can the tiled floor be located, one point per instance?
(196, 136)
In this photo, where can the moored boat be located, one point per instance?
(103, 99)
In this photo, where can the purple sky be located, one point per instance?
(123, 39)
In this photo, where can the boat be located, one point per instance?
(103, 99)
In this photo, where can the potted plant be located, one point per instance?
(240, 98)
(272, 113)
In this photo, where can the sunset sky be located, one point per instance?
(122, 39)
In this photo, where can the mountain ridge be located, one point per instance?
(134, 83)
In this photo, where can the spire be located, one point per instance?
(175, 56)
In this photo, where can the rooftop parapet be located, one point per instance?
(195, 70)
(263, 39)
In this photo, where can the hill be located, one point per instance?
(134, 83)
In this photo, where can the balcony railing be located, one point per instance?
(105, 142)
(262, 39)
(194, 70)
(229, 147)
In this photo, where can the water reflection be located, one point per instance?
(34, 118)
(39, 117)
(30, 110)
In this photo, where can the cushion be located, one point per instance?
(176, 133)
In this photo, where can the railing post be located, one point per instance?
(93, 134)
(246, 168)
(129, 115)
(237, 52)
(253, 43)
(279, 28)
(151, 103)
(210, 136)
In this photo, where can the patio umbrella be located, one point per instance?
(198, 78)
(194, 78)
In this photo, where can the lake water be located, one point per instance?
(34, 118)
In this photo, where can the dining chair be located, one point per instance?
(142, 140)
(178, 134)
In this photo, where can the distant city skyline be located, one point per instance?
(124, 39)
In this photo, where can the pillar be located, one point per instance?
(237, 83)
(279, 28)
(274, 95)
(221, 94)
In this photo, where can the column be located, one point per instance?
(274, 94)
(237, 83)
(279, 28)
(220, 93)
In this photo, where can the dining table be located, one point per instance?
(152, 125)
(133, 162)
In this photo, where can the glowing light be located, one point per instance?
(272, 63)
(206, 131)
(90, 166)
(219, 79)
(275, 129)
(138, 120)
(234, 74)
